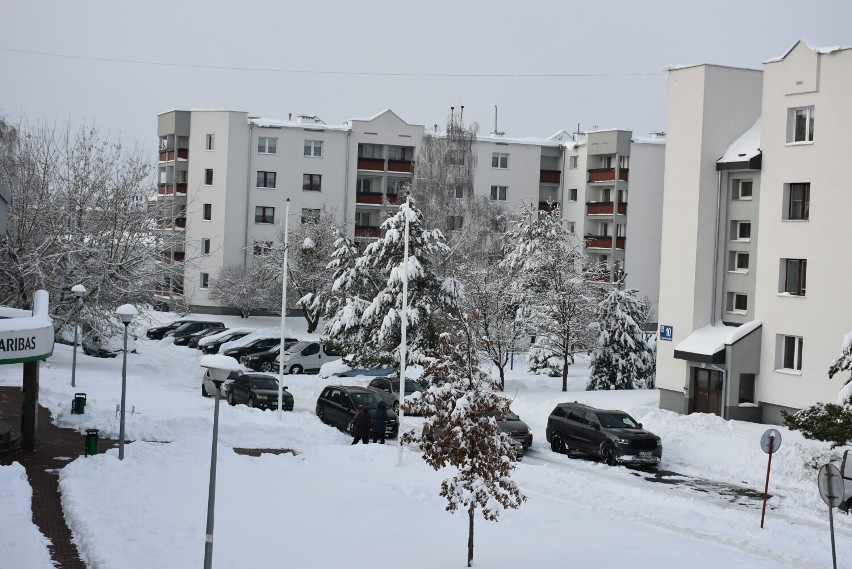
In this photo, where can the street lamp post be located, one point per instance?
(126, 312)
(283, 313)
(219, 367)
(79, 291)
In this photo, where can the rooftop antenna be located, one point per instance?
(461, 114)
(496, 132)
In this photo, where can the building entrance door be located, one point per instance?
(708, 391)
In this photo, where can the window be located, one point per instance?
(620, 230)
(204, 281)
(797, 201)
(738, 261)
(264, 214)
(746, 388)
(208, 177)
(455, 222)
(793, 273)
(621, 196)
(740, 230)
(262, 248)
(310, 215)
(459, 192)
(790, 352)
(313, 148)
(367, 151)
(742, 189)
(737, 302)
(183, 142)
(605, 195)
(205, 246)
(364, 185)
(362, 219)
(455, 157)
(571, 226)
(606, 161)
(207, 212)
(498, 193)
(311, 182)
(624, 162)
(572, 195)
(265, 179)
(800, 124)
(267, 145)
(208, 145)
(573, 162)
(395, 186)
(499, 160)
(400, 152)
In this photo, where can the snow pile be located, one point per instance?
(20, 540)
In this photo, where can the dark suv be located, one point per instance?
(337, 405)
(613, 436)
(157, 332)
(183, 334)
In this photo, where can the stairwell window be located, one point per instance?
(740, 231)
(737, 302)
(209, 142)
(797, 201)
(267, 145)
(207, 212)
(738, 261)
(500, 160)
(208, 177)
(572, 194)
(793, 276)
(800, 125)
(205, 246)
(743, 189)
(789, 353)
(573, 162)
(204, 281)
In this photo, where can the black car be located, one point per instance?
(258, 390)
(518, 431)
(193, 339)
(265, 361)
(184, 333)
(337, 405)
(157, 332)
(613, 436)
(213, 347)
(252, 347)
(388, 389)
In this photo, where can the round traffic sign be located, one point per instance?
(771, 435)
(831, 485)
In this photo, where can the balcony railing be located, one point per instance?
(366, 231)
(606, 175)
(545, 206)
(603, 242)
(369, 198)
(371, 164)
(400, 165)
(165, 292)
(549, 176)
(605, 208)
(166, 257)
(168, 188)
(177, 223)
(168, 154)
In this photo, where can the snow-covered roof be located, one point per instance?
(281, 123)
(658, 139)
(712, 339)
(809, 45)
(678, 67)
(532, 140)
(745, 148)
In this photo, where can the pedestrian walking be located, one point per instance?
(361, 428)
(379, 422)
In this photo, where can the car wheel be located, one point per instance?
(266, 366)
(556, 443)
(296, 369)
(396, 407)
(204, 391)
(608, 454)
(321, 414)
(250, 401)
(351, 428)
(231, 399)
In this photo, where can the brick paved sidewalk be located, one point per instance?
(55, 448)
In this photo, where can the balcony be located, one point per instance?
(165, 257)
(603, 242)
(400, 166)
(168, 154)
(606, 175)
(369, 198)
(549, 176)
(165, 292)
(605, 208)
(169, 189)
(545, 206)
(366, 231)
(376, 164)
(168, 224)
(394, 199)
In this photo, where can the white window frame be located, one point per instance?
(571, 226)
(733, 298)
(573, 162)
(205, 208)
(362, 219)
(572, 194)
(793, 114)
(264, 146)
(739, 185)
(500, 160)
(205, 246)
(800, 286)
(499, 193)
(735, 261)
(204, 281)
(737, 231)
(805, 213)
(209, 143)
(313, 149)
(208, 176)
(310, 182)
(784, 343)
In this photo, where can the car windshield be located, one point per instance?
(360, 399)
(184, 326)
(264, 383)
(175, 325)
(297, 347)
(512, 417)
(617, 421)
(231, 337)
(410, 386)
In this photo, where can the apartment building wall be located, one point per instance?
(520, 175)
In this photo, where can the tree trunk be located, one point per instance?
(470, 535)
(564, 373)
(312, 319)
(502, 377)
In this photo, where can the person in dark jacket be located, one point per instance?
(362, 425)
(379, 422)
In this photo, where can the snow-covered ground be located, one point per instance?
(332, 504)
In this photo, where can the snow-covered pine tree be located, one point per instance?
(621, 359)
(460, 411)
(559, 303)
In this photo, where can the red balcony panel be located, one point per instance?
(180, 222)
(179, 256)
(549, 176)
(400, 166)
(164, 189)
(181, 187)
(166, 155)
(366, 231)
(394, 199)
(366, 198)
(606, 175)
(544, 206)
(605, 208)
(622, 208)
(603, 242)
(371, 164)
(183, 153)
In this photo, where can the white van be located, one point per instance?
(305, 357)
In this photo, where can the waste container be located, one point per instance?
(91, 445)
(78, 405)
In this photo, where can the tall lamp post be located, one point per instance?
(79, 291)
(219, 367)
(126, 312)
(283, 312)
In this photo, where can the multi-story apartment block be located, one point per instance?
(225, 178)
(751, 313)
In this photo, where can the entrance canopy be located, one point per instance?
(707, 344)
(26, 336)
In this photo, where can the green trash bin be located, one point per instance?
(78, 405)
(91, 445)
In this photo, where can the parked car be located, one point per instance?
(388, 389)
(613, 436)
(208, 388)
(337, 405)
(846, 474)
(182, 335)
(194, 338)
(239, 353)
(258, 390)
(265, 361)
(211, 344)
(100, 346)
(157, 332)
(518, 431)
(370, 372)
(305, 357)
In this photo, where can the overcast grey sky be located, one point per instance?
(355, 59)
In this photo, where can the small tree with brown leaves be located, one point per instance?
(460, 430)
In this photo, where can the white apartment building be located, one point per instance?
(225, 178)
(754, 256)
